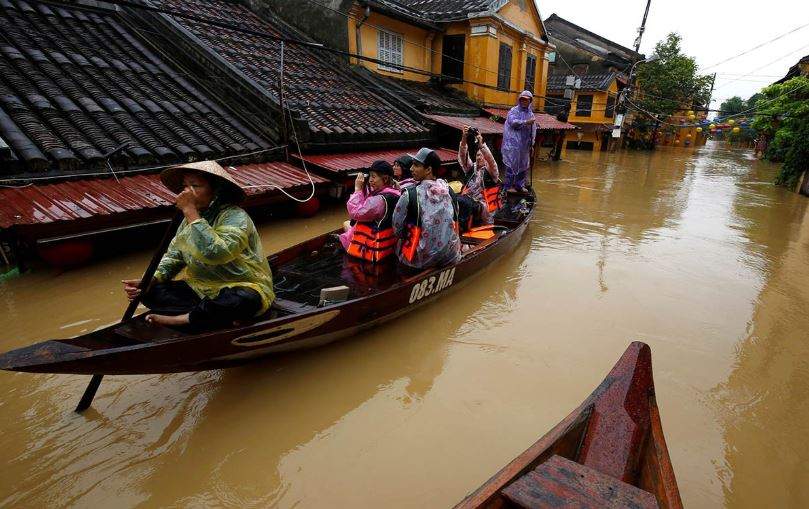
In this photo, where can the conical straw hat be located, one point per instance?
(173, 177)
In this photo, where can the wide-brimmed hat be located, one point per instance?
(173, 177)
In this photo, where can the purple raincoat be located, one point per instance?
(518, 137)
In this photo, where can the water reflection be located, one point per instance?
(692, 251)
(764, 404)
(229, 437)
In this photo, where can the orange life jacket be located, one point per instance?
(492, 197)
(374, 241)
(413, 222)
(484, 232)
(491, 193)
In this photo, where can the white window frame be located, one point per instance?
(390, 49)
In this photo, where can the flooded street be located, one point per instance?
(692, 251)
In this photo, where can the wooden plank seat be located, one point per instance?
(559, 482)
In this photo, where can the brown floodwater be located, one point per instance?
(691, 251)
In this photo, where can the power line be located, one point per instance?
(756, 47)
(765, 65)
(734, 115)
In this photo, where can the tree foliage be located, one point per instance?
(671, 82)
(753, 100)
(782, 115)
(732, 106)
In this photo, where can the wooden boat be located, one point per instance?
(298, 318)
(609, 452)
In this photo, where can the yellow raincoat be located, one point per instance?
(223, 255)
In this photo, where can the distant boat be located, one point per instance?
(609, 452)
(299, 318)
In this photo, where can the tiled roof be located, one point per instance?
(426, 97)
(343, 163)
(110, 202)
(483, 124)
(600, 81)
(335, 104)
(795, 70)
(75, 84)
(441, 10)
(544, 121)
(560, 29)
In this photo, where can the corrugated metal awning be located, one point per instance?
(97, 198)
(356, 161)
(544, 121)
(483, 124)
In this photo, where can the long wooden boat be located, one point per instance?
(298, 318)
(609, 452)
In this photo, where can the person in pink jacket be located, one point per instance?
(370, 206)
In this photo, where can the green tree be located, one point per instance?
(753, 100)
(671, 82)
(732, 106)
(782, 115)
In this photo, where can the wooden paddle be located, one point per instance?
(92, 387)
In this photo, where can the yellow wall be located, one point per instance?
(416, 47)
(572, 136)
(599, 106)
(685, 136)
(422, 49)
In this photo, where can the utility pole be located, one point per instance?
(642, 26)
(620, 110)
(710, 96)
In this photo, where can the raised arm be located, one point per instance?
(217, 245)
(491, 164)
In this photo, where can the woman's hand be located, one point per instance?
(480, 140)
(530, 121)
(186, 200)
(359, 182)
(464, 130)
(131, 288)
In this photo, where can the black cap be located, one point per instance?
(382, 167)
(405, 161)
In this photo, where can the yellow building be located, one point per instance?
(592, 107)
(490, 53)
(689, 135)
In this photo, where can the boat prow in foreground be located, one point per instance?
(609, 452)
(299, 318)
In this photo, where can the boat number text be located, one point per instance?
(431, 285)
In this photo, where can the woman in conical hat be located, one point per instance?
(228, 278)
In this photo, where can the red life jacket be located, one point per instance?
(413, 226)
(374, 241)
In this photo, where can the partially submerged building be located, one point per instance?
(89, 113)
(586, 74)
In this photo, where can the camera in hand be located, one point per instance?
(472, 142)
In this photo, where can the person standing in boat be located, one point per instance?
(370, 207)
(426, 217)
(228, 277)
(519, 133)
(402, 171)
(482, 176)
